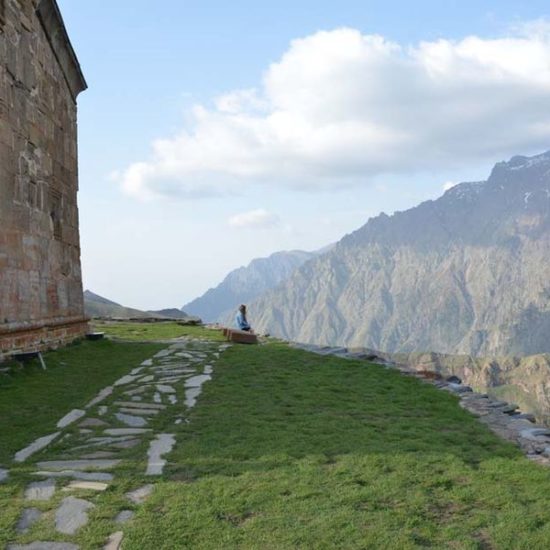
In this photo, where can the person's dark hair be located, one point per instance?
(242, 308)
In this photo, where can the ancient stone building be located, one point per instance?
(41, 303)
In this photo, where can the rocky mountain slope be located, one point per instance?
(246, 283)
(521, 380)
(468, 273)
(98, 306)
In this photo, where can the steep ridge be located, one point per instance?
(246, 283)
(467, 273)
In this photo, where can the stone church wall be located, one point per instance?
(41, 300)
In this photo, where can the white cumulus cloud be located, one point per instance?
(340, 107)
(259, 218)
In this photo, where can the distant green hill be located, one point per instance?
(98, 306)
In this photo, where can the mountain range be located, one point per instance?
(467, 273)
(244, 284)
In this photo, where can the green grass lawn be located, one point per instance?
(33, 400)
(286, 449)
(291, 450)
(141, 332)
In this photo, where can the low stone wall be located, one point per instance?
(41, 337)
(502, 418)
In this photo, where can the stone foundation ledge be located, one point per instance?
(41, 337)
(502, 418)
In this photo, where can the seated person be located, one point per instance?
(241, 320)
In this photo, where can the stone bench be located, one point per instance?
(240, 336)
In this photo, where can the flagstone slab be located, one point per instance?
(98, 454)
(163, 353)
(114, 541)
(40, 545)
(191, 396)
(197, 381)
(162, 388)
(140, 405)
(138, 412)
(4, 474)
(34, 447)
(28, 518)
(137, 398)
(126, 431)
(102, 410)
(71, 417)
(124, 516)
(136, 391)
(101, 396)
(130, 420)
(40, 490)
(86, 476)
(147, 363)
(137, 370)
(160, 446)
(148, 378)
(72, 515)
(97, 464)
(126, 444)
(157, 398)
(173, 399)
(86, 485)
(92, 423)
(138, 496)
(125, 380)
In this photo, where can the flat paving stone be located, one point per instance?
(148, 378)
(40, 490)
(98, 454)
(4, 474)
(125, 380)
(114, 541)
(72, 515)
(28, 518)
(92, 423)
(191, 396)
(130, 420)
(140, 405)
(86, 485)
(40, 545)
(86, 476)
(136, 391)
(101, 396)
(34, 447)
(126, 431)
(208, 369)
(172, 399)
(124, 516)
(137, 398)
(163, 388)
(78, 464)
(197, 381)
(102, 410)
(147, 363)
(138, 496)
(157, 398)
(159, 447)
(126, 444)
(144, 412)
(135, 371)
(71, 417)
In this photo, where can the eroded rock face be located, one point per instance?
(465, 274)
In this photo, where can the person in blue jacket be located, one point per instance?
(241, 320)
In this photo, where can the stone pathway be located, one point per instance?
(501, 417)
(92, 442)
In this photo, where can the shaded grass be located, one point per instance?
(155, 331)
(33, 400)
(291, 450)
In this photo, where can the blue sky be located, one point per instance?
(162, 232)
